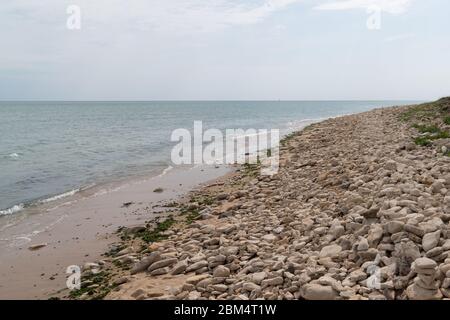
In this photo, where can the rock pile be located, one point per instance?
(425, 286)
(355, 212)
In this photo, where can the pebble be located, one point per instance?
(221, 272)
(37, 246)
(145, 262)
(197, 265)
(330, 251)
(162, 263)
(318, 292)
(431, 240)
(180, 267)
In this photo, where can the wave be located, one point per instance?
(60, 196)
(301, 123)
(10, 156)
(165, 171)
(14, 209)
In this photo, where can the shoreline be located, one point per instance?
(346, 198)
(42, 225)
(87, 190)
(81, 230)
(286, 126)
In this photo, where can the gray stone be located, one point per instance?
(180, 267)
(197, 278)
(121, 280)
(250, 286)
(258, 277)
(272, 282)
(269, 238)
(145, 262)
(431, 240)
(221, 272)
(425, 263)
(414, 230)
(394, 226)
(197, 265)
(159, 271)
(162, 264)
(330, 251)
(414, 292)
(313, 291)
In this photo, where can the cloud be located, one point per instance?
(390, 6)
(209, 15)
(171, 15)
(399, 37)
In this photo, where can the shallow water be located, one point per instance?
(50, 150)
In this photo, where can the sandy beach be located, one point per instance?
(359, 210)
(80, 229)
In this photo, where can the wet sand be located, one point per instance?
(79, 229)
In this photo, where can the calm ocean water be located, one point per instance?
(49, 149)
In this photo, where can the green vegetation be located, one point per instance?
(156, 234)
(119, 264)
(250, 169)
(289, 137)
(422, 141)
(429, 116)
(427, 111)
(447, 120)
(440, 135)
(204, 200)
(171, 205)
(425, 129)
(426, 140)
(95, 286)
(192, 216)
(115, 249)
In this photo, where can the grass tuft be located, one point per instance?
(422, 141)
(447, 120)
(95, 293)
(156, 234)
(427, 129)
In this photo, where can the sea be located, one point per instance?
(52, 150)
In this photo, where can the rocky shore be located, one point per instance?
(359, 210)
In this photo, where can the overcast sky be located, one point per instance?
(225, 50)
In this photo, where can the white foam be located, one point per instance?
(165, 171)
(13, 155)
(110, 190)
(60, 196)
(300, 124)
(14, 209)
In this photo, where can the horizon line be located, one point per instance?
(210, 100)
